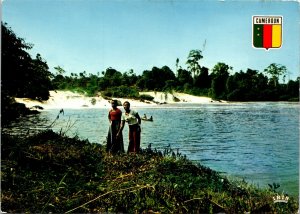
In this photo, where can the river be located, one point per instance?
(258, 142)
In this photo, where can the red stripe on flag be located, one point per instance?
(267, 40)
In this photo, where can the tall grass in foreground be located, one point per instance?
(50, 172)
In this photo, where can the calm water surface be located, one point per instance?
(255, 141)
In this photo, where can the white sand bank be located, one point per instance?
(67, 99)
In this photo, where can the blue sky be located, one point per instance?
(92, 35)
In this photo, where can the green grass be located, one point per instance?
(50, 172)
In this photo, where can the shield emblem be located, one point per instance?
(267, 31)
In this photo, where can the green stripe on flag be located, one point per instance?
(258, 36)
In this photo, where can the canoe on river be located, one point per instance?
(147, 119)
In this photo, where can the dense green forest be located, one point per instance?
(251, 85)
(25, 76)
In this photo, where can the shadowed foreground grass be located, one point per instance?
(53, 173)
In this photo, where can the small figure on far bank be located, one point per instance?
(114, 141)
(134, 121)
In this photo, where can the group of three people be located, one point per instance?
(117, 121)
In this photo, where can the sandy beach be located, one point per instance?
(68, 99)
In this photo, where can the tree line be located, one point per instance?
(25, 76)
(217, 83)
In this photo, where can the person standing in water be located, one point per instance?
(114, 141)
(134, 121)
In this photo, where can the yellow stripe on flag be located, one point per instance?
(276, 36)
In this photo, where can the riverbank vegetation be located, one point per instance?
(49, 172)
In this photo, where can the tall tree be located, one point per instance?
(15, 61)
(193, 62)
(219, 78)
(22, 76)
(275, 71)
(40, 79)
